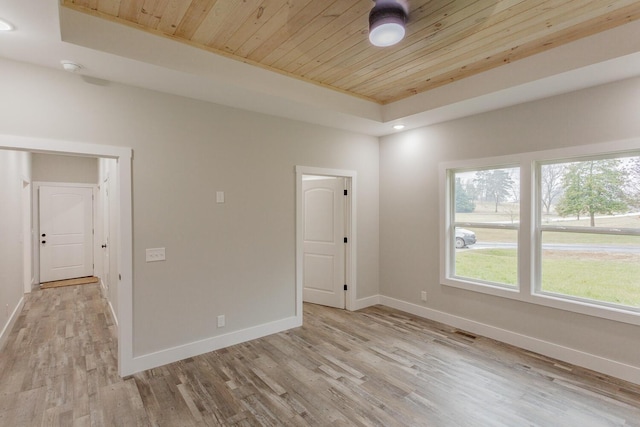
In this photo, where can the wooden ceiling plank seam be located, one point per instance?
(151, 13)
(346, 24)
(443, 31)
(110, 7)
(507, 49)
(270, 27)
(81, 3)
(207, 30)
(130, 9)
(173, 14)
(242, 11)
(499, 32)
(614, 19)
(336, 48)
(365, 53)
(197, 11)
(263, 14)
(293, 25)
(314, 29)
(445, 36)
(296, 24)
(350, 18)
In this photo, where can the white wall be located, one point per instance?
(236, 258)
(54, 168)
(15, 168)
(409, 211)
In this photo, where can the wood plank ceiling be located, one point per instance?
(325, 41)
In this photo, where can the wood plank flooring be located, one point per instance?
(375, 367)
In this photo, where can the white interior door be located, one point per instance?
(66, 232)
(323, 268)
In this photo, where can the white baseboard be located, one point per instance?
(113, 313)
(4, 335)
(565, 354)
(366, 302)
(163, 357)
(105, 293)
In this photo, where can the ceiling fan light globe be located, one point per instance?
(386, 33)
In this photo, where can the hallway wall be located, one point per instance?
(15, 168)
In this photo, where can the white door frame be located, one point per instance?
(126, 363)
(350, 222)
(27, 236)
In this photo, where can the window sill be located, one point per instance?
(553, 301)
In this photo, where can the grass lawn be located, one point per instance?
(613, 278)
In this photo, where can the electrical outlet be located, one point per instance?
(221, 321)
(155, 254)
(423, 296)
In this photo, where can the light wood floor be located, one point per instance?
(377, 367)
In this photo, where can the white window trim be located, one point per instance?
(528, 235)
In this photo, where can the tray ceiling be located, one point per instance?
(325, 42)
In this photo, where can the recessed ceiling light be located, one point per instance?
(399, 126)
(5, 26)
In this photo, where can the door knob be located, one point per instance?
(44, 235)
(104, 246)
(44, 241)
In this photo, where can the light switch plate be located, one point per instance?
(155, 254)
(219, 196)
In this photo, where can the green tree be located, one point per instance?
(593, 187)
(633, 181)
(551, 180)
(494, 184)
(464, 201)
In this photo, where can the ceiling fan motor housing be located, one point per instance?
(388, 10)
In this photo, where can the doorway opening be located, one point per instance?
(325, 237)
(124, 263)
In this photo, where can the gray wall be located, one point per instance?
(53, 168)
(14, 170)
(236, 258)
(409, 211)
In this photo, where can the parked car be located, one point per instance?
(464, 238)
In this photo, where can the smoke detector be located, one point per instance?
(70, 66)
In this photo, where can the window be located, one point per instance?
(589, 222)
(486, 216)
(564, 233)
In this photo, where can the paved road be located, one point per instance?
(565, 247)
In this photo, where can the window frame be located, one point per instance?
(530, 227)
(455, 224)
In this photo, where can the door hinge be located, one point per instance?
(345, 287)
(346, 192)
(346, 240)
